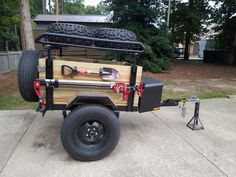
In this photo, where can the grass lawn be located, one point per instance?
(195, 78)
(185, 79)
(12, 100)
(9, 95)
(202, 95)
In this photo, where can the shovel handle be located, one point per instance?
(73, 71)
(80, 71)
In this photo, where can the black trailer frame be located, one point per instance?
(134, 53)
(50, 45)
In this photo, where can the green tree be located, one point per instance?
(9, 21)
(102, 8)
(227, 37)
(187, 22)
(91, 10)
(145, 18)
(36, 7)
(143, 12)
(78, 7)
(74, 7)
(98, 10)
(223, 11)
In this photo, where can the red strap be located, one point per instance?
(37, 88)
(140, 89)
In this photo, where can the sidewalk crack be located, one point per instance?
(28, 126)
(181, 136)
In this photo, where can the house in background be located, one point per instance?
(93, 22)
(196, 48)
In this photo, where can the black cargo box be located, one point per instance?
(151, 96)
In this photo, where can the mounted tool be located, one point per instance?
(104, 72)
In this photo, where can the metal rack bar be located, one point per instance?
(132, 83)
(42, 39)
(49, 75)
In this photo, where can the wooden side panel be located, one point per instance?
(62, 95)
(123, 70)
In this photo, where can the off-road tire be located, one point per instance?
(73, 137)
(115, 34)
(28, 73)
(69, 29)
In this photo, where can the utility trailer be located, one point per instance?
(90, 93)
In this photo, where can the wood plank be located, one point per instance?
(63, 95)
(123, 70)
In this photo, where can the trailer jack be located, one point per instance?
(195, 122)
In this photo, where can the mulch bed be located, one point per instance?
(181, 69)
(8, 81)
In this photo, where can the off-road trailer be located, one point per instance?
(94, 97)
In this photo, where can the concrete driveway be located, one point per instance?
(152, 144)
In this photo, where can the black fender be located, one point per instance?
(92, 99)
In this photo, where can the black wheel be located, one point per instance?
(28, 73)
(115, 34)
(69, 29)
(90, 132)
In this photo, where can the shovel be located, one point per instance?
(105, 73)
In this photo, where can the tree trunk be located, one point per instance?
(62, 6)
(186, 47)
(188, 34)
(27, 37)
(6, 45)
(50, 6)
(16, 34)
(173, 23)
(44, 7)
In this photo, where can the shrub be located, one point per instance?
(158, 49)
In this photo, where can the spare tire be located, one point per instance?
(28, 73)
(69, 29)
(115, 34)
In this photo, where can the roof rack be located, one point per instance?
(89, 42)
